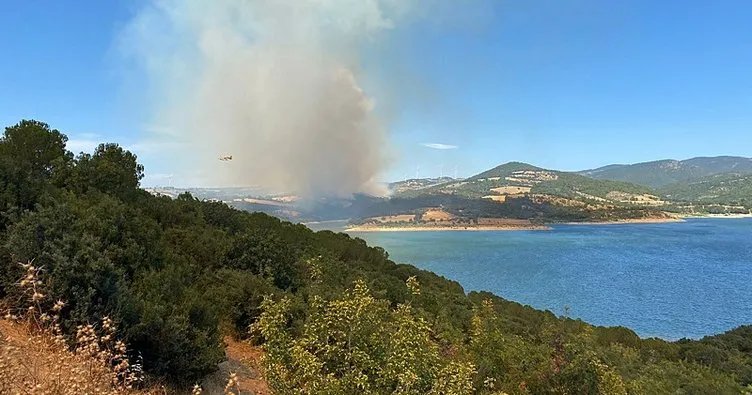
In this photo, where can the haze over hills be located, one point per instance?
(660, 173)
(417, 183)
(521, 190)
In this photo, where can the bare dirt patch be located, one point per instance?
(265, 202)
(437, 215)
(511, 190)
(496, 198)
(244, 360)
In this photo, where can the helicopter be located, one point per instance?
(225, 158)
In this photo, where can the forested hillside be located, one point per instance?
(333, 315)
(661, 173)
(733, 189)
(515, 178)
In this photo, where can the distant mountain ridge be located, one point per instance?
(517, 178)
(529, 190)
(661, 173)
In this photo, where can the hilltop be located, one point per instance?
(661, 173)
(515, 179)
(398, 187)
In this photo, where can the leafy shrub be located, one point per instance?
(357, 344)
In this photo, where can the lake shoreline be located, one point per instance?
(716, 216)
(506, 228)
(635, 221)
(359, 229)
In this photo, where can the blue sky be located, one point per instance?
(567, 84)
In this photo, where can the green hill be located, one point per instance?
(662, 173)
(515, 178)
(504, 170)
(574, 185)
(733, 189)
(331, 314)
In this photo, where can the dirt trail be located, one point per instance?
(243, 360)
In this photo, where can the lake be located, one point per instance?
(671, 280)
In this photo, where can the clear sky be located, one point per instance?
(568, 85)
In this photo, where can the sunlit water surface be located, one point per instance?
(671, 280)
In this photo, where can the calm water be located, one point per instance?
(669, 280)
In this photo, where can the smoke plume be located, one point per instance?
(274, 83)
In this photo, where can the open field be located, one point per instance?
(437, 215)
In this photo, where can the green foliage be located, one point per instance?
(505, 170)
(572, 185)
(729, 352)
(357, 344)
(267, 255)
(682, 378)
(731, 189)
(176, 275)
(172, 323)
(239, 295)
(111, 169)
(32, 156)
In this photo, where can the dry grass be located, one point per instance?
(511, 190)
(496, 198)
(437, 215)
(34, 362)
(393, 218)
(36, 359)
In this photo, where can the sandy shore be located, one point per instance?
(330, 221)
(731, 216)
(630, 221)
(442, 228)
(438, 228)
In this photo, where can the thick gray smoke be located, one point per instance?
(277, 84)
(274, 83)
